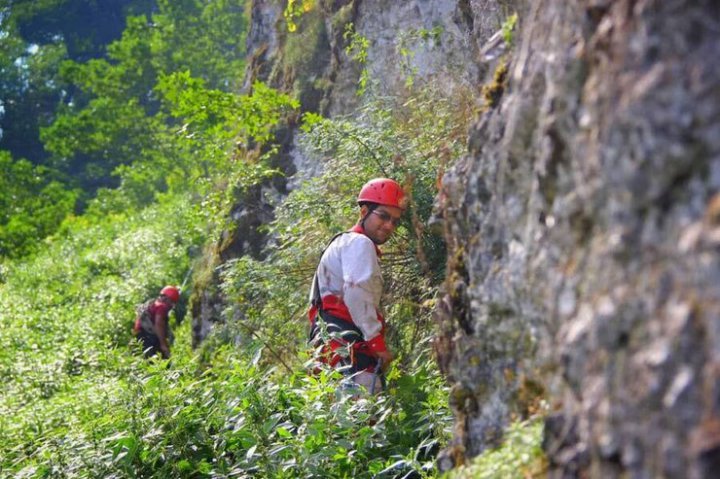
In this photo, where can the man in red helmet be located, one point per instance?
(345, 297)
(152, 323)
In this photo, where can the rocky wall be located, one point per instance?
(583, 228)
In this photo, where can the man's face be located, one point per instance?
(381, 222)
(167, 300)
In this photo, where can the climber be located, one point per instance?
(346, 325)
(152, 326)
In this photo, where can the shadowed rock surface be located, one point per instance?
(583, 233)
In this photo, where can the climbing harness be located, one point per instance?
(343, 334)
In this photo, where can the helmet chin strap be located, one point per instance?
(371, 208)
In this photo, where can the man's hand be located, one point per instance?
(386, 357)
(161, 328)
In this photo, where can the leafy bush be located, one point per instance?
(520, 455)
(32, 205)
(116, 116)
(66, 319)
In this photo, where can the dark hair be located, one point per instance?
(371, 206)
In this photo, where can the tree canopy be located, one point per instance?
(81, 91)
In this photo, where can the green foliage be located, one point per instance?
(78, 403)
(508, 28)
(221, 137)
(357, 49)
(101, 137)
(409, 41)
(206, 38)
(32, 205)
(520, 456)
(304, 54)
(223, 116)
(37, 36)
(66, 318)
(402, 141)
(104, 122)
(29, 92)
(120, 117)
(160, 114)
(40, 20)
(83, 405)
(294, 10)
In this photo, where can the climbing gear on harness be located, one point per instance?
(333, 335)
(349, 349)
(145, 321)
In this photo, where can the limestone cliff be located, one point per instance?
(583, 226)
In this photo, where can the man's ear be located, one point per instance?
(364, 210)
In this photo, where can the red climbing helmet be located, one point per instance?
(383, 191)
(171, 292)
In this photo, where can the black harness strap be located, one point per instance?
(348, 333)
(335, 326)
(316, 300)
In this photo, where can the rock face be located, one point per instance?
(584, 226)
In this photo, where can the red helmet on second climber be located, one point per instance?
(382, 191)
(171, 292)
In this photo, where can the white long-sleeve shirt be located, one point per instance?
(350, 270)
